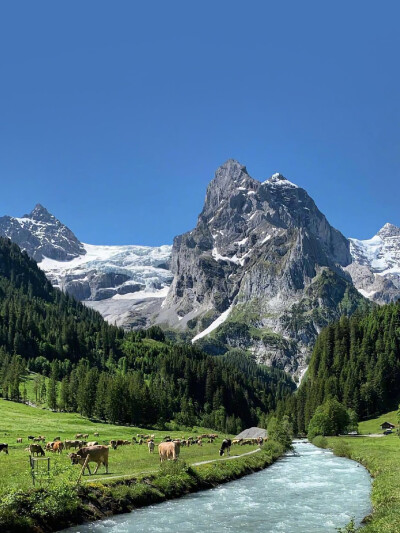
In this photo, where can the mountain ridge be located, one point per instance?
(262, 271)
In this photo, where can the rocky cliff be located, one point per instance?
(263, 270)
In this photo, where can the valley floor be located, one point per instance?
(135, 477)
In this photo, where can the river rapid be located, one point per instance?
(309, 491)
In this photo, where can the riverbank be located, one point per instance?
(381, 457)
(62, 505)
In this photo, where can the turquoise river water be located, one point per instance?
(309, 491)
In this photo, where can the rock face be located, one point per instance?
(41, 235)
(263, 270)
(375, 269)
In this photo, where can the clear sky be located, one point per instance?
(115, 115)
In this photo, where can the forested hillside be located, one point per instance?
(99, 371)
(356, 360)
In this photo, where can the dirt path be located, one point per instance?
(123, 476)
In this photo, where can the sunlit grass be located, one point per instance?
(18, 420)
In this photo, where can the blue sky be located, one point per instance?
(115, 115)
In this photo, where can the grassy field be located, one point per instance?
(382, 458)
(18, 420)
(373, 426)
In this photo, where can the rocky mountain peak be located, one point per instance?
(278, 179)
(42, 235)
(260, 259)
(40, 213)
(389, 230)
(230, 179)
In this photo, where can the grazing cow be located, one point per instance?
(97, 454)
(49, 446)
(225, 447)
(94, 443)
(36, 448)
(85, 436)
(199, 442)
(4, 447)
(30, 437)
(71, 444)
(19, 440)
(150, 446)
(116, 442)
(78, 436)
(167, 451)
(58, 446)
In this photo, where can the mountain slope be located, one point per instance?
(263, 270)
(357, 361)
(134, 377)
(118, 281)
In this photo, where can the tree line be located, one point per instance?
(101, 371)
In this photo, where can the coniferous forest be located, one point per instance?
(356, 361)
(102, 372)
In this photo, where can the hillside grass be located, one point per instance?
(373, 426)
(19, 420)
(381, 456)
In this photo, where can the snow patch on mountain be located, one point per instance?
(375, 269)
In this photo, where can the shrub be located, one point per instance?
(320, 441)
(341, 449)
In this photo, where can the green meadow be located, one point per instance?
(381, 456)
(19, 421)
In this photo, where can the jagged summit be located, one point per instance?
(389, 230)
(278, 179)
(41, 235)
(39, 212)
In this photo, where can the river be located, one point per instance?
(310, 491)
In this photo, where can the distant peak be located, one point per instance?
(39, 213)
(232, 165)
(278, 179)
(389, 230)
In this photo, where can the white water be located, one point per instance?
(311, 492)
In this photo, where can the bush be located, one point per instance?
(320, 441)
(341, 449)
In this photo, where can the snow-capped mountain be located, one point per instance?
(42, 235)
(375, 269)
(112, 279)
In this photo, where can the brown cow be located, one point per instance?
(36, 448)
(116, 442)
(96, 454)
(168, 451)
(71, 444)
(58, 446)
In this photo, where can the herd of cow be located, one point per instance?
(86, 452)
